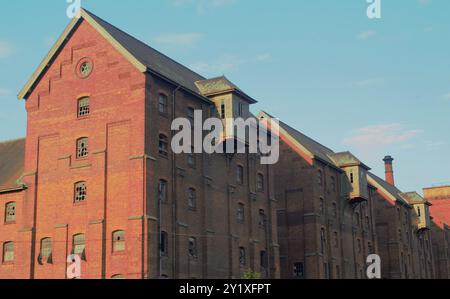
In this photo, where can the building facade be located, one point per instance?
(99, 178)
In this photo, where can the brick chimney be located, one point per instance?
(389, 169)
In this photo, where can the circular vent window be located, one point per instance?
(84, 68)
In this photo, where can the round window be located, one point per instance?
(84, 68)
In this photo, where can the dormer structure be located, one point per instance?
(421, 210)
(230, 101)
(356, 172)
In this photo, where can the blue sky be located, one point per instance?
(373, 87)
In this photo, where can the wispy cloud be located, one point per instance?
(4, 92)
(263, 57)
(382, 135)
(424, 2)
(369, 82)
(224, 64)
(202, 5)
(366, 35)
(446, 97)
(6, 49)
(188, 39)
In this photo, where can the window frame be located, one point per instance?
(7, 253)
(240, 175)
(82, 112)
(241, 213)
(82, 148)
(192, 198)
(260, 182)
(162, 190)
(118, 238)
(163, 102)
(80, 193)
(192, 247)
(46, 246)
(8, 205)
(163, 145)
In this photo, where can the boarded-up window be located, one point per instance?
(80, 192)
(8, 252)
(118, 241)
(82, 148)
(83, 107)
(10, 212)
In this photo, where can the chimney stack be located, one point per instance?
(389, 170)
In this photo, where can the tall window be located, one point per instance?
(83, 107)
(260, 182)
(335, 210)
(336, 240)
(419, 213)
(323, 241)
(191, 159)
(118, 244)
(241, 109)
(10, 212)
(333, 184)
(322, 206)
(241, 213)
(82, 148)
(8, 252)
(162, 104)
(191, 116)
(299, 270)
(239, 174)
(222, 110)
(163, 145)
(242, 256)
(192, 247)
(46, 250)
(162, 191)
(79, 245)
(320, 177)
(262, 219)
(192, 198)
(352, 177)
(164, 243)
(80, 192)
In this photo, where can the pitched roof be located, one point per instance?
(414, 198)
(347, 159)
(144, 57)
(390, 190)
(12, 155)
(220, 85)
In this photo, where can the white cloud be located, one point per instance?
(378, 136)
(179, 39)
(4, 92)
(224, 64)
(424, 2)
(446, 96)
(6, 49)
(202, 5)
(263, 57)
(366, 35)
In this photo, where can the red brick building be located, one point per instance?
(96, 175)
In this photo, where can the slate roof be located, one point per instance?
(220, 85)
(347, 159)
(12, 155)
(394, 191)
(413, 198)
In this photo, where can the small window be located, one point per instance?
(83, 107)
(192, 247)
(335, 210)
(162, 104)
(222, 110)
(320, 177)
(260, 183)
(191, 158)
(299, 270)
(163, 145)
(80, 192)
(262, 219)
(82, 148)
(241, 109)
(263, 260)
(323, 241)
(10, 212)
(79, 245)
(85, 69)
(162, 191)
(8, 252)
(240, 175)
(322, 206)
(118, 241)
(241, 213)
(242, 256)
(164, 241)
(46, 250)
(419, 212)
(192, 198)
(352, 178)
(336, 240)
(333, 184)
(191, 116)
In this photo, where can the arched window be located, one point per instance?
(192, 198)
(46, 250)
(320, 177)
(164, 243)
(80, 192)
(260, 182)
(162, 104)
(240, 174)
(83, 107)
(82, 148)
(8, 252)
(10, 212)
(241, 213)
(163, 145)
(242, 256)
(118, 241)
(79, 245)
(162, 190)
(118, 276)
(333, 184)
